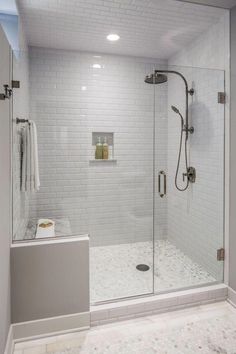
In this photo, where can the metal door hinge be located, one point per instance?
(221, 254)
(221, 97)
(15, 84)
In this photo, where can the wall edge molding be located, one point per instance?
(10, 342)
(231, 296)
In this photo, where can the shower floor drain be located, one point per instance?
(142, 267)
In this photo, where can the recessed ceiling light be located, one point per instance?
(97, 66)
(113, 37)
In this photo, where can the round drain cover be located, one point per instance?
(142, 267)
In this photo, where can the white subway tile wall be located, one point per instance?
(70, 98)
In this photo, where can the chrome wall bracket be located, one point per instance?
(191, 92)
(189, 130)
(7, 92)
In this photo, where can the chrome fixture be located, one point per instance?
(161, 193)
(221, 97)
(221, 254)
(190, 174)
(142, 267)
(15, 84)
(160, 77)
(7, 92)
(190, 171)
(184, 127)
(156, 79)
(19, 120)
(187, 92)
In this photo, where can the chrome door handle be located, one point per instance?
(161, 193)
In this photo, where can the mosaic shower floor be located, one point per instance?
(205, 329)
(114, 274)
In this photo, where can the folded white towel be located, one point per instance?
(45, 228)
(29, 166)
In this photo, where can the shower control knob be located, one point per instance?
(190, 174)
(184, 175)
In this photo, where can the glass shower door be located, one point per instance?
(189, 224)
(121, 221)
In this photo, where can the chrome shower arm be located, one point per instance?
(187, 92)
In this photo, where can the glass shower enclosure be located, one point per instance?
(146, 236)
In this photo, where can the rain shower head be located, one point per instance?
(155, 79)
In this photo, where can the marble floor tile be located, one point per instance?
(207, 329)
(114, 275)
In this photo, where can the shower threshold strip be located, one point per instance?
(150, 305)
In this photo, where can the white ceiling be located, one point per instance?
(148, 28)
(8, 7)
(226, 4)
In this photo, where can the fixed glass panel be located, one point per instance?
(190, 223)
(58, 107)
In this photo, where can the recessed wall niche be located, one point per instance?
(104, 136)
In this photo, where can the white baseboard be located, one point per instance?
(10, 342)
(232, 296)
(50, 326)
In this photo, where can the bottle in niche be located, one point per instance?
(105, 149)
(99, 149)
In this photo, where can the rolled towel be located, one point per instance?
(45, 228)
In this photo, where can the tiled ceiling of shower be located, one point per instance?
(148, 28)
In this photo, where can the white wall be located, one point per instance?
(196, 217)
(5, 187)
(69, 100)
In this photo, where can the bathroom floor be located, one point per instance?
(205, 329)
(114, 274)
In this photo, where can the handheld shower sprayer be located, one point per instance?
(174, 109)
(185, 128)
(190, 171)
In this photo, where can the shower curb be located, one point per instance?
(146, 306)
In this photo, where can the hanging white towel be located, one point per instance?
(29, 167)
